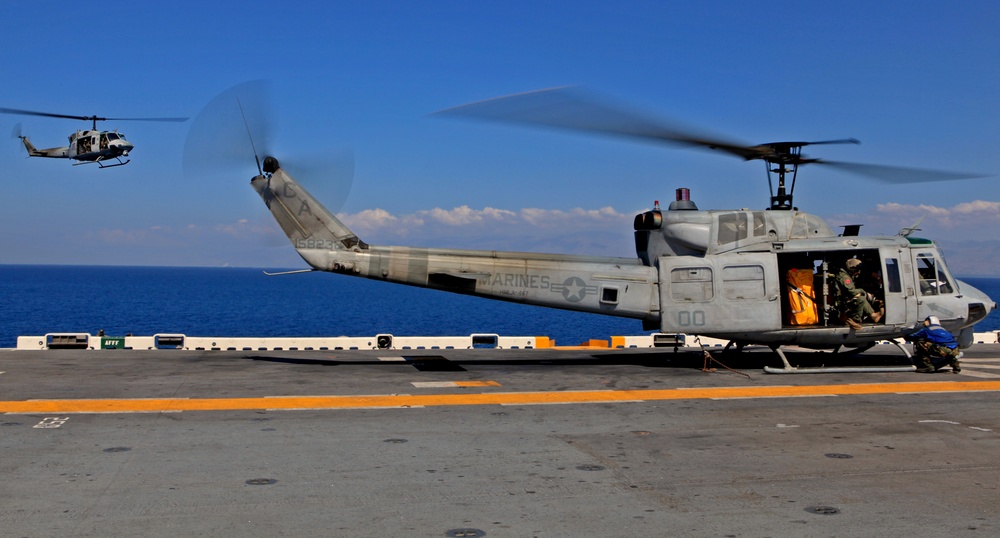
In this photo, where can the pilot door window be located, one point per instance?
(933, 279)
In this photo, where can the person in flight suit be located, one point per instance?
(856, 301)
(871, 281)
(933, 346)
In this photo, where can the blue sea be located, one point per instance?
(196, 301)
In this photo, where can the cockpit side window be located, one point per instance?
(943, 282)
(933, 278)
(732, 227)
(927, 274)
(759, 224)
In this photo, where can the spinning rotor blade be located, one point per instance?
(217, 142)
(178, 120)
(898, 174)
(572, 108)
(329, 174)
(43, 114)
(236, 130)
(84, 118)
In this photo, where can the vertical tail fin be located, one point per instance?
(58, 153)
(304, 220)
(29, 146)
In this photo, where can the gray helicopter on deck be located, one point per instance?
(106, 148)
(761, 277)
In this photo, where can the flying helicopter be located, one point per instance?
(751, 277)
(106, 148)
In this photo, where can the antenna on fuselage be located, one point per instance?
(905, 232)
(260, 170)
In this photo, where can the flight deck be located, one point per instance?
(581, 441)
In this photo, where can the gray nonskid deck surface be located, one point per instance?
(917, 464)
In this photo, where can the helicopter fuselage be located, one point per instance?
(716, 273)
(87, 147)
(90, 146)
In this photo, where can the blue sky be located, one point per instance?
(916, 81)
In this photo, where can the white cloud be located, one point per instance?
(464, 215)
(979, 207)
(381, 221)
(601, 231)
(962, 220)
(893, 208)
(369, 218)
(597, 231)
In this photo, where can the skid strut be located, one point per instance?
(789, 369)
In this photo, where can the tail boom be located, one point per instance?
(57, 153)
(613, 286)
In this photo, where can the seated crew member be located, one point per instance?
(933, 346)
(855, 300)
(872, 283)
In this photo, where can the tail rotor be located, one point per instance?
(217, 145)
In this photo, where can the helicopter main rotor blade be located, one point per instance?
(898, 174)
(572, 108)
(45, 114)
(84, 118)
(837, 141)
(143, 119)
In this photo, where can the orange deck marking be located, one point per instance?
(154, 405)
(477, 384)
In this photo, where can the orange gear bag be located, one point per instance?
(801, 297)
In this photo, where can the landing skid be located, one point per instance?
(789, 369)
(101, 164)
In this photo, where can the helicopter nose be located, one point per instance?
(980, 304)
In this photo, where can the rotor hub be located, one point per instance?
(271, 165)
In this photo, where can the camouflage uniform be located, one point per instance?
(933, 347)
(854, 298)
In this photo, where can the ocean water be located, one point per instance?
(35, 300)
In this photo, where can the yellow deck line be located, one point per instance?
(476, 384)
(498, 398)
